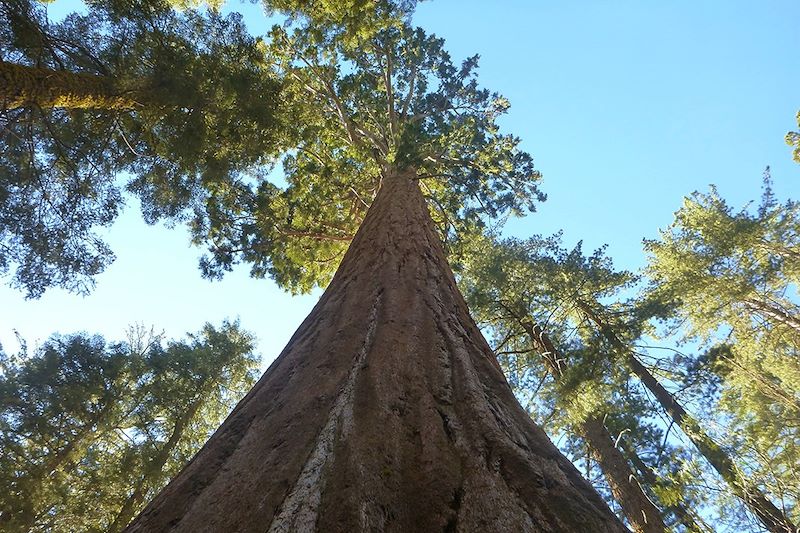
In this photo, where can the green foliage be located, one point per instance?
(731, 278)
(348, 21)
(793, 140)
(364, 108)
(207, 111)
(363, 94)
(91, 430)
(522, 291)
(514, 283)
(722, 266)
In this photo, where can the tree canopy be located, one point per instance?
(361, 106)
(185, 102)
(337, 102)
(90, 430)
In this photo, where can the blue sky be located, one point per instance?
(626, 107)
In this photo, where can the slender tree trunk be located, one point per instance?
(23, 519)
(773, 519)
(22, 86)
(154, 467)
(773, 313)
(640, 511)
(684, 515)
(387, 411)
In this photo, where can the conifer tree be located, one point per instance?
(774, 518)
(524, 292)
(386, 411)
(521, 283)
(90, 429)
(179, 102)
(729, 277)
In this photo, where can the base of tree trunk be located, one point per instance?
(386, 411)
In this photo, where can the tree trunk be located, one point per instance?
(155, 466)
(640, 511)
(684, 515)
(773, 519)
(54, 465)
(387, 411)
(22, 86)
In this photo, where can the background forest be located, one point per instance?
(675, 360)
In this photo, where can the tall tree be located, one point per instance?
(730, 277)
(90, 430)
(536, 281)
(775, 519)
(640, 511)
(519, 290)
(387, 410)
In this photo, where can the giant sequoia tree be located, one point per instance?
(387, 410)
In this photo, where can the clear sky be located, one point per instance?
(627, 106)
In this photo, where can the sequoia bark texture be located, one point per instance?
(387, 411)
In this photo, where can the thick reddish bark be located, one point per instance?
(385, 412)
